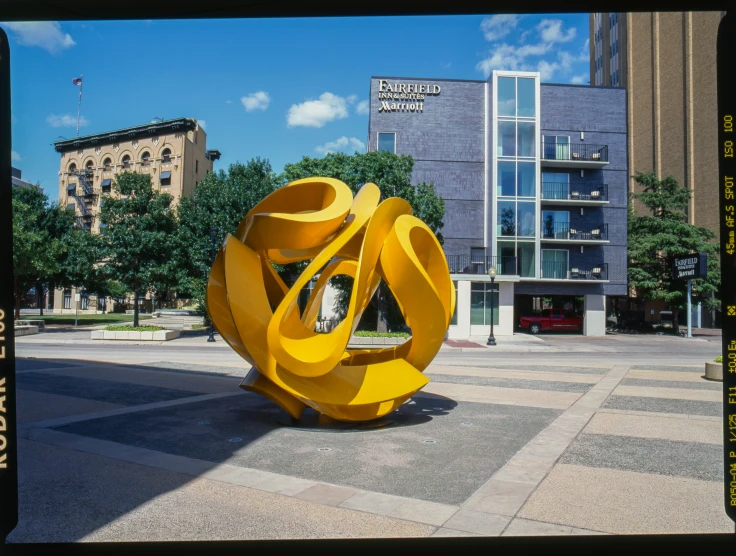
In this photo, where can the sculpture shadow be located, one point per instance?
(94, 489)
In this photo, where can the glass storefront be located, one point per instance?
(482, 299)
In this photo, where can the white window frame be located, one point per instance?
(379, 133)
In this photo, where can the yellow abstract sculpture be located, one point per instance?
(317, 219)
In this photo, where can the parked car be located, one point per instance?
(551, 319)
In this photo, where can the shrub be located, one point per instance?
(123, 328)
(371, 334)
(719, 359)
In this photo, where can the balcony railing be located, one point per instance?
(562, 191)
(465, 264)
(564, 231)
(574, 152)
(553, 270)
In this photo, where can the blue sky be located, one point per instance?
(276, 88)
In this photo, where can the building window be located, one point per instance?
(84, 299)
(90, 167)
(67, 299)
(555, 263)
(166, 155)
(196, 166)
(106, 185)
(556, 147)
(482, 297)
(72, 168)
(145, 158)
(387, 142)
(454, 315)
(165, 178)
(126, 161)
(556, 224)
(555, 185)
(107, 164)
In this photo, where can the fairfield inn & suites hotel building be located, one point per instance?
(534, 177)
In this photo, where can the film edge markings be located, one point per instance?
(8, 430)
(727, 196)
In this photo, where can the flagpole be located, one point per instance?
(79, 106)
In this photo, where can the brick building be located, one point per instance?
(534, 178)
(173, 152)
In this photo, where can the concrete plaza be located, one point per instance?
(550, 435)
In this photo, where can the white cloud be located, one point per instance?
(579, 79)
(65, 120)
(448, 65)
(498, 26)
(15, 157)
(524, 35)
(342, 144)
(202, 124)
(352, 98)
(362, 108)
(256, 101)
(316, 113)
(44, 34)
(551, 31)
(228, 102)
(506, 57)
(546, 69)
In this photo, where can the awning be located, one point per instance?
(165, 175)
(71, 187)
(106, 183)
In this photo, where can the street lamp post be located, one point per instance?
(492, 274)
(213, 233)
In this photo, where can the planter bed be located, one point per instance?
(155, 336)
(25, 330)
(368, 341)
(714, 371)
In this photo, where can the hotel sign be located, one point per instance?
(404, 97)
(690, 267)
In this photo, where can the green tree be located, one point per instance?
(392, 174)
(656, 238)
(39, 242)
(221, 200)
(137, 241)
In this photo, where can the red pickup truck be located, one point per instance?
(552, 319)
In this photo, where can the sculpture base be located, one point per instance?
(316, 422)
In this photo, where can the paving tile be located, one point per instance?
(283, 484)
(665, 375)
(478, 522)
(235, 475)
(528, 528)
(444, 532)
(523, 471)
(576, 531)
(329, 495)
(499, 497)
(670, 393)
(424, 512)
(665, 428)
(505, 396)
(373, 502)
(628, 502)
(531, 376)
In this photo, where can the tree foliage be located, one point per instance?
(221, 200)
(136, 244)
(392, 174)
(40, 230)
(656, 238)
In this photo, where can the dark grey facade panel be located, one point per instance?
(452, 180)
(463, 219)
(586, 109)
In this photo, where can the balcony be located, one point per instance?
(563, 271)
(562, 193)
(464, 264)
(563, 232)
(574, 155)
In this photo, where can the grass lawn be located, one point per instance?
(85, 319)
